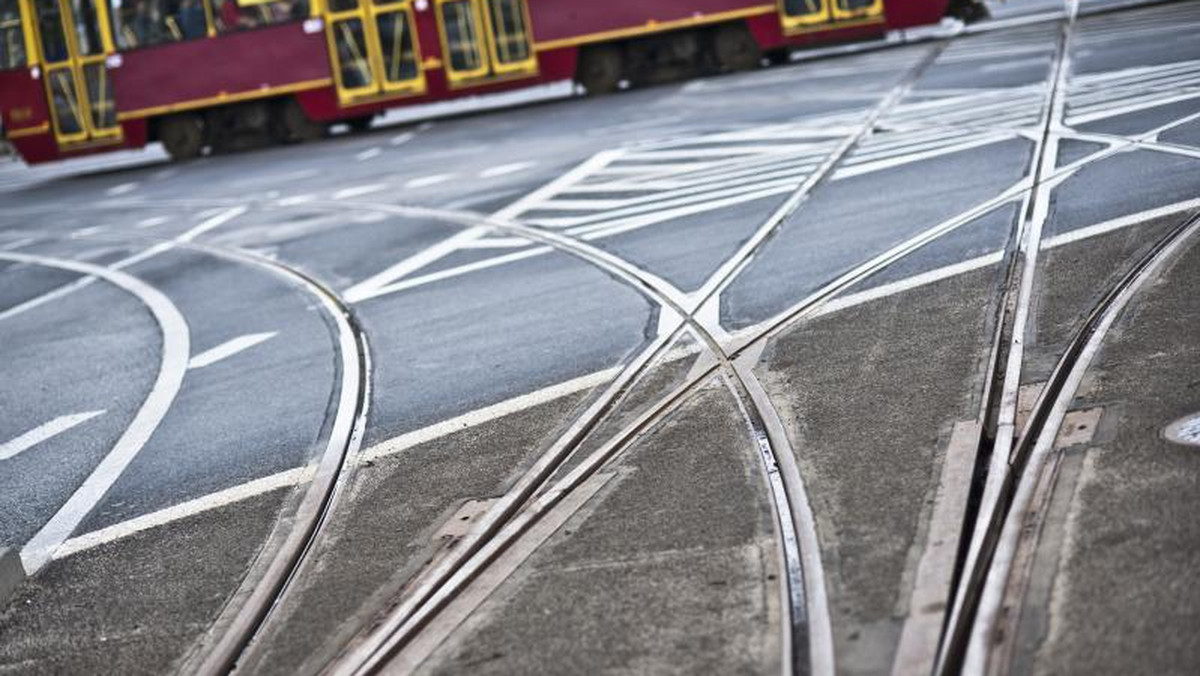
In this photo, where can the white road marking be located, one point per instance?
(401, 139)
(152, 221)
(358, 191)
(373, 286)
(19, 243)
(162, 517)
(295, 199)
(369, 153)
(425, 126)
(122, 189)
(43, 432)
(503, 169)
(84, 232)
(228, 349)
(1118, 223)
(426, 181)
(219, 219)
(299, 475)
(175, 349)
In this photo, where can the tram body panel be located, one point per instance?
(193, 74)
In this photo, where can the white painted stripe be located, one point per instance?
(295, 199)
(228, 349)
(489, 413)
(401, 139)
(426, 181)
(152, 221)
(84, 232)
(121, 189)
(299, 475)
(503, 169)
(1118, 223)
(371, 286)
(175, 348)
(19, 243)
(358, 190)
(900, 286)
(368, 154)
(449, 273)
(162, 517)
(224, 216)
(43, 432)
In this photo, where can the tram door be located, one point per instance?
(485, 39)
(74, 47)
(374, 48)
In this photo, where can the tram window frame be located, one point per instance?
(823, 13)
(14, 51)
(263, 20)
(453, 73)
(168, 29)
(498, 33)
(870, 11)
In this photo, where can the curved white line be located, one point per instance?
(175, 351)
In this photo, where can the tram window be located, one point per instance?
(142, 23)
(803, 7)
(855, 5)
(87, 27)
(12, 40)
(396, 45)
(462, 35)
(50, 27)
(511, 34)
(237, 15)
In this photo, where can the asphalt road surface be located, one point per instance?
(765, 372)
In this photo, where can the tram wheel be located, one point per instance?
(297, 126)
(600, 69)
(182, 136)
(360, 124)
(735, 48)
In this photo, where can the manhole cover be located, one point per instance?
(1186, 430)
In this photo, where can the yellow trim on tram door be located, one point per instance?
(364, 50)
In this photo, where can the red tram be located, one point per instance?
(88, 76)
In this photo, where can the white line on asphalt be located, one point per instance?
(358, 191)
(372, 286)
(1118, 223)
(175, 349)
(19, 243)
(401, 139)
(493, 172)
(426, 181)
(219, 219)
(228, 349)
(84, 232)
(152, 221)
(162, 517)
(295, 199)
(43, 432)
(449, 273)
(489, 413)
(907, 284)
(121, 189)
(293, 477)
(369, 153)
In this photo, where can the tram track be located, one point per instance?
(1015, 454)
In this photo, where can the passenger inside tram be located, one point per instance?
(12, 41)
